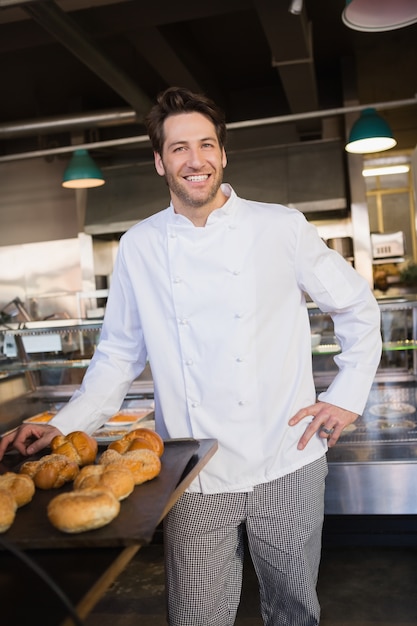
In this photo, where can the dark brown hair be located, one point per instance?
(176, 100)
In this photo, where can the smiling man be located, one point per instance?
(212, 291)
(192, 161)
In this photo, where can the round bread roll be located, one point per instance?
(150, 435)
(86, 509)
(77, 446)
(21, 486)
(115, 476)
(51, 471)
(8, 508)
(144, 464)
(140, 443)
(125, 443)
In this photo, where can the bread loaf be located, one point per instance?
(77, 446)
(8, 508)
(125, 443)
(21, 487)
(82, 510)
(144, 464)
(115, 476)
(51, 471)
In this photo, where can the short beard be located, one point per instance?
(186, 198)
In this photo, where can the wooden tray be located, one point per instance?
(140, 513)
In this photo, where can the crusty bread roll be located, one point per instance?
(21, 486)
(115, 476)
(8, 508)
(77, 446)
(84, 509)
(140, 443)
(144, 464)
(124, 444)
(150, 435)
(51, 471)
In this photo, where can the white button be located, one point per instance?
(195, 405)
(239, 359)
(236, 272)
(241, 402)
(177, 279)
(238, 315)
(183, 322)
(189, 362)
(173, 235)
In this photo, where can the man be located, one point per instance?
(211, 290)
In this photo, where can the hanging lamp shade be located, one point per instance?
(379, 15)
(370, 133)
(82, 172)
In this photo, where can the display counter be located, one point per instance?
(373, 466)
(43, 363)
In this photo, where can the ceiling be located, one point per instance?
(87, 71)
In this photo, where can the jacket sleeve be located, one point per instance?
(337, 289)
(120, 357)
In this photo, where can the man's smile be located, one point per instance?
(197, 178)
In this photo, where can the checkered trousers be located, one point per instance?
(204, 551)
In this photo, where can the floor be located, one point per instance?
(358, 586)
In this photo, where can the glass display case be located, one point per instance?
(43, 363)
(373, 466)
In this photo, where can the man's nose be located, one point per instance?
(195, 158)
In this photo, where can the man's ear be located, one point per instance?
(159, 166)
(224, 157)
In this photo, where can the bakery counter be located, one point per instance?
(43, 363)
(373, 466)
(75, 570)
(13, 412)
(373, 469)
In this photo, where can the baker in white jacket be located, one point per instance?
(211, 291)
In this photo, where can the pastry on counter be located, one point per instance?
(115, 476)
(21, 487)
(51, 471)
(144, 464)
(8, 508)
(77, 446)
(82, 510)
(139, 438)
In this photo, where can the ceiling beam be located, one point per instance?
(69, 34)
(290, 42)
(155, 49)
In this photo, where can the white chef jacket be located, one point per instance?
(220, 313)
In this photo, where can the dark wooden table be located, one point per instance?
(83, 565)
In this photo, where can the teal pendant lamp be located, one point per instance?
(82, 172)
(370, 133)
